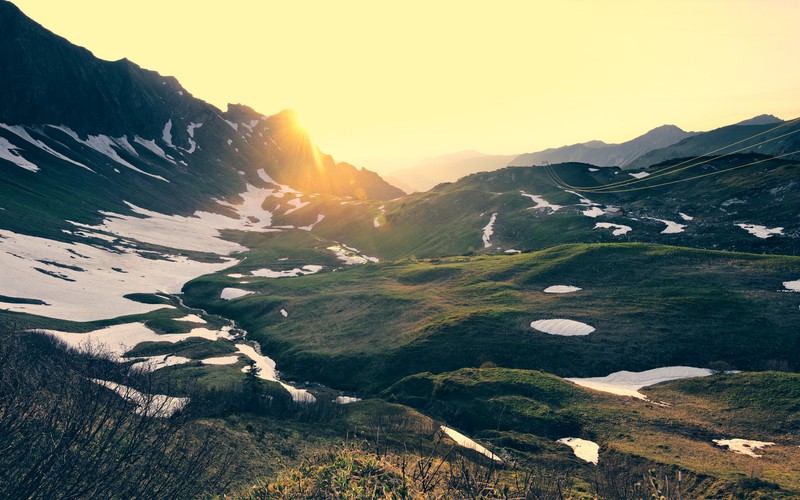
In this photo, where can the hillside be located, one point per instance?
(731, 206)
(364, 327)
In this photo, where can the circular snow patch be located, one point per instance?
(561, 289)
(565, 327)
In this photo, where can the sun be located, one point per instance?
(296, 125)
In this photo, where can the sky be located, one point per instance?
(385, 84)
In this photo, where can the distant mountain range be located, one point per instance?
(659, 144)
(606, 155)
(448, 168)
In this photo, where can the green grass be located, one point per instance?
(477, 399)
(527, 411)
(772, 398)
(448, 220)
(363, 328)
(192, 348)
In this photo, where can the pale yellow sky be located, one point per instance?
(379, 84)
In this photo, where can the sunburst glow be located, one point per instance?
(380, 85)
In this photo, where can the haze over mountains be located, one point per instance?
(657, 145)
(605, 155)
(272, 303)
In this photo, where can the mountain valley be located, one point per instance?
(593, 321)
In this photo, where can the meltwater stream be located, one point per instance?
(252, 350)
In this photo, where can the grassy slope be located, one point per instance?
(365, 327)
(514, 408)
(453, 215)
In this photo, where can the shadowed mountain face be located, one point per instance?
(47, 80)
(606, 155)
(61, 107)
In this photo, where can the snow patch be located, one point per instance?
(351, 256)
(320, 218)
(581, 198)
(297, 204)
(468, 443)
(291, 273)
(792, 286)
(166, 134)
(106, 146)
(190, 318)
(593, 212)
(541, 202)
(96, 291)
(761, 231)
(588, 451)
(672, 227)
(488, 231)
(269, 372)
(221, 360)
(153, 147)
(234, 293)
(23, 134)
(685, 217)
(376, 221)
(282, 188)
(639, 175)
(625, 383)
(618, 229)
(119, 339)
(561, 289)
(345, 400)
(153, 363)
(190, 130)
(149, 405)
(564, 327)
(199, 232)
(743, 446)
(9, 152)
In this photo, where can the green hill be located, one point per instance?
(365, 327)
